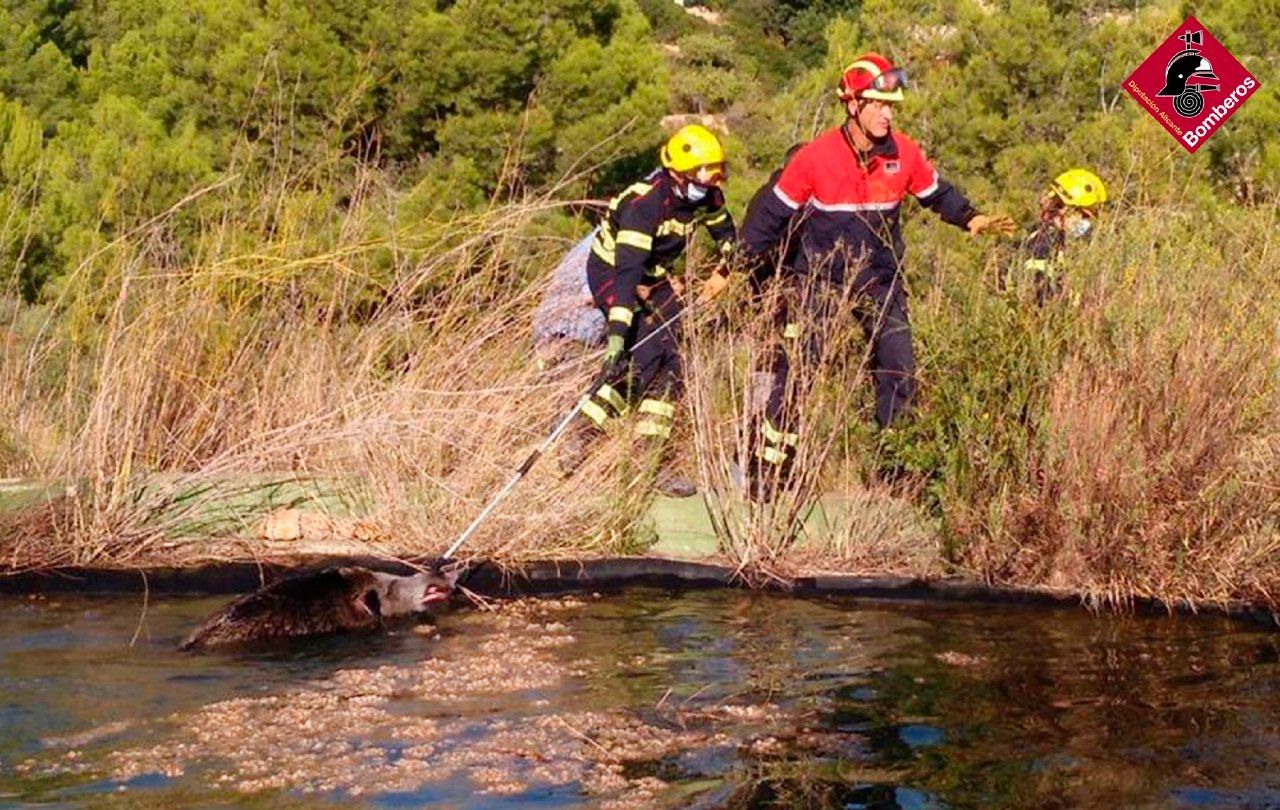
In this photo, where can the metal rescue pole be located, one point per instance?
(521, 471)
(528, 463)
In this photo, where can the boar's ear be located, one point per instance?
(369, 602)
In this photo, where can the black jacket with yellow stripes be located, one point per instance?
(1044, 247)
(1042, 260)
(646, 230)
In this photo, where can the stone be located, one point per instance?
(283, 524)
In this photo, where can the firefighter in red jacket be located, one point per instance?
(632, 272)
(847, 186)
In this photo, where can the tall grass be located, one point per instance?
(833, 509)
(391, 360)
(1120, 441)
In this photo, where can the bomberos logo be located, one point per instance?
(1191, 84)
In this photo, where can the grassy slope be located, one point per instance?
(1121, 441)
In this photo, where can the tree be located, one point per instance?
(33, 69)
(21, 149)
(114, 169)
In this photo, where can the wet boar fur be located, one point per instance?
(334, 600)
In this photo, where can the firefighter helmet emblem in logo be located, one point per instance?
(1200, 84)
(1187, 76)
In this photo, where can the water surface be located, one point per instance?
(711, 699)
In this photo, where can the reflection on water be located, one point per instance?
(710, 699)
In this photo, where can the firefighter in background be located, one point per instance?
(1067, 211)
(847, 185)
(634, 279)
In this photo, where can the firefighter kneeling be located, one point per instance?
(631, 272)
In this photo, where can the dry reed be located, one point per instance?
(1120, 442)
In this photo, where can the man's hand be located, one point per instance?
(713, 286)
(998, 223)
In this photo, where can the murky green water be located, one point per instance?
(709, 699)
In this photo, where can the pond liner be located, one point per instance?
(551, 577)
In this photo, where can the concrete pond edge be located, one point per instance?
(547, 577)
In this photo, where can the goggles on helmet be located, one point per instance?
(1067, 200)
(890, 80)
(710, 174)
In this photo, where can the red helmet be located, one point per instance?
(872, 76)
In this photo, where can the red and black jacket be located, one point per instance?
(646, 231)
(850, 203)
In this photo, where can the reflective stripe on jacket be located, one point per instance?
(645, 232)
(850, 203)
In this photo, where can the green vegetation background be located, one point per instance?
(110, 113)
(268, 154)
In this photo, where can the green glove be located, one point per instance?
(616, 346)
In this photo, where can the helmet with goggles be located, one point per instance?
(872, 76)
(1079, 188)
(695, 151)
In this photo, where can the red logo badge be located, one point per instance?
(1191, 84)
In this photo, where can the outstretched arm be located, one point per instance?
(772, 209)
(946, 201)
(767, 222)
(949, 203)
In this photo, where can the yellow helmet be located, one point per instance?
(692, 146)
(1080, 188)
